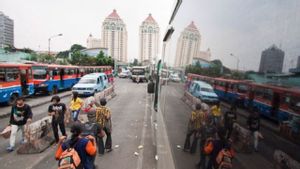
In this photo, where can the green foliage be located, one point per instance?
(101, 59)
(135, 63)
(63, 54)
(76, 47)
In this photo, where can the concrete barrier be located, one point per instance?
(189, 99)
(241, 138)
(284, 161)
(39, 137)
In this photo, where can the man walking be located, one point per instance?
(20, 117)
(230, 118)
(253, 122)
(57, 110)
(103, 118)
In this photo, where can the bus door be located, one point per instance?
(275, 104)
(61, 77)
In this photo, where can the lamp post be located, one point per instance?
(237, 61)
(49, 41)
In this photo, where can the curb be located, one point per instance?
(4, 115)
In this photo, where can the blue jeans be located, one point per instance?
(75, 114)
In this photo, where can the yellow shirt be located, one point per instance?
(216, 111)
(76, 105)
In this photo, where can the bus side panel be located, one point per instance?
(7, 92)
(263, 108)
(283, 115)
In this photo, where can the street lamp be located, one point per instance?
(237, 61)
(49, 40)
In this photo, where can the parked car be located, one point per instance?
(175, 78)
(91, 83)
(124, 74)
(203, 91)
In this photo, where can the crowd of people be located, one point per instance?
(212, 129)
(80, 149)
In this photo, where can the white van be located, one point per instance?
(91, 83)
(203, 91)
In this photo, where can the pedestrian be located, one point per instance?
(137, 79)
(225, 156)
(84, 146)
(218, 144)
(207, 132)
(230, 118)
(90, 109)
(75, 106)
(196, 121)
(217, 113)
(20, 118)
(253, 122)
(57, 110)
(103, 118)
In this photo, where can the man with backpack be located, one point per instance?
(207, 134)
(20, 118)
(253, 122)
(78, 152)
(225, 156)
(217, 113)
(57, 110)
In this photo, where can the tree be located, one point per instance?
(63, 54)
(76, 47)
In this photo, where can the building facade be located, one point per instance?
(271, 60)
(92, 42)
(149, 40)
(114, 37)
(298, 62)
(6, 30)
(205, 55)
(188, 45)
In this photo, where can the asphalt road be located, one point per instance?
(131, 133)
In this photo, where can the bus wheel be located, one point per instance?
(54, 90)
(12, 99)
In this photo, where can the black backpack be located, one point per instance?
(90, 129)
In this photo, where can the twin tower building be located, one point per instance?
(114, 40)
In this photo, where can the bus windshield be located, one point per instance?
(39, 72)
(138, 72)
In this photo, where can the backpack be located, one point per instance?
(208, 147)
(224, 159)
(89, 129)
(69, 159)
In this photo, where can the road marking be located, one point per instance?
(140, 157)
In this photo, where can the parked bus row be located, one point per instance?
(274, 102)
(29, 79)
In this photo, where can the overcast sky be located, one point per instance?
(244, 28)
(36, 20)
(241, 27)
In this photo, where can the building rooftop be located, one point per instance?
(114, 15)
(150, 18)
(192, 25)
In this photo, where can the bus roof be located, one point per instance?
(14, 65)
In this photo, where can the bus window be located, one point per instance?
(2, 75)
(268, 94)
(39, 72)
(242, 88)
(55, 72)
(71, 72)
(12, 74)
(295, 104)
